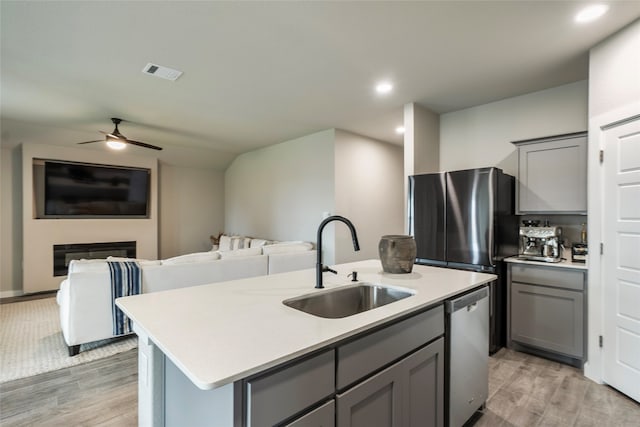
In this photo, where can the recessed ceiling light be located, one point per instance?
(384, 87)
(591, 13)
(400, 130)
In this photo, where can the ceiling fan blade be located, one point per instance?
(141, 144)
(115, 135)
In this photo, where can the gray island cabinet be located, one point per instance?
(265, 364)
(369, 380)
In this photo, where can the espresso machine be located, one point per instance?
(540, 243)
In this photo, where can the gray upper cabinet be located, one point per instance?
(552, 174)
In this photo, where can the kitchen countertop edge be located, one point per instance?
(565, 263)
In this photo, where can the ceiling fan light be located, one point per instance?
(115, 144)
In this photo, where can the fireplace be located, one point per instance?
(63, 254)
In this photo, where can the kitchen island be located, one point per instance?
(205, 351)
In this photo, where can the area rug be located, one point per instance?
(31, 341)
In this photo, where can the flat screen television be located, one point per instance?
(83, 190)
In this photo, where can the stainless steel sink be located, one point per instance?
(347, 300)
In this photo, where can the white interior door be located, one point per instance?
(621, 259)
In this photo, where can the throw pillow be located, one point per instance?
(232, 243)
(225, 243)
(256, 243)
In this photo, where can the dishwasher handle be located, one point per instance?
(466, 300)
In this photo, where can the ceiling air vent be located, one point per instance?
(162, 72)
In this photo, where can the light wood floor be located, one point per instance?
(99, 393)
(523, 391)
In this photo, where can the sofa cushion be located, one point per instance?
(284, 247)
(194, 257)
(241, 253)
(87, 265)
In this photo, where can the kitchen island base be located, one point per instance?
(232, 354)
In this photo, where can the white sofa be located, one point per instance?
(84, 297)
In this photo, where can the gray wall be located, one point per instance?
(481, 136)
(191, 209)
(369, 191)
(10, 222)
(281, 192)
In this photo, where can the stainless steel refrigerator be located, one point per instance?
(465, 220)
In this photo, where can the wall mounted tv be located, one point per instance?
(83, 190)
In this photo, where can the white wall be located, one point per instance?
(614, 71)
(421, 140)
(481, 136)
(614, 95)
(369, 181)
(280, 192)
(39, 235)
(191, 209)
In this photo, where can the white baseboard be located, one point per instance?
(9, 294)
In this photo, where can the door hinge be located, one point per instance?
(601, 156)
(601, 248)
(600, 340)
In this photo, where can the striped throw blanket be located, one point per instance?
(126, 279)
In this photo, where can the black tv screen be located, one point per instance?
(94, 191)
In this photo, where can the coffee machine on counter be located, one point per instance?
(540, 243)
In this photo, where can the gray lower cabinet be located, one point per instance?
(393, 376)
(277, 396)
(547, 309)
(409, 393)
(552, 174)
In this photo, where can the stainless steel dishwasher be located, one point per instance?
(468, 355)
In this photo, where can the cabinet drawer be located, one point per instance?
(276, 396)
(371, 352)
(548, 276)
(323, 416)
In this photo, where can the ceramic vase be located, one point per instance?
(397, 253)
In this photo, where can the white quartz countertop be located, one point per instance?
(565, 263)
(223, 332)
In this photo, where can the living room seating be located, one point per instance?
(85, 298)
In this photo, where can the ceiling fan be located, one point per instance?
(117, 141)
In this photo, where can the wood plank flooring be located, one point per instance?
(99, 393)
(524, 390)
